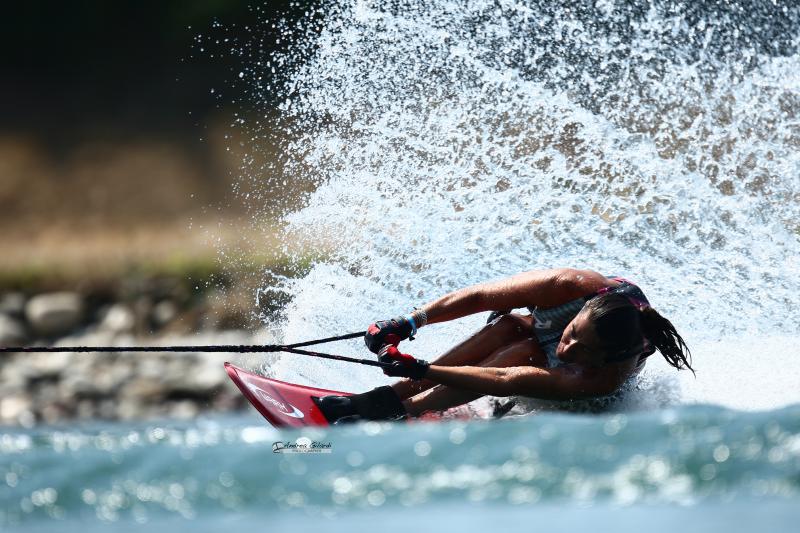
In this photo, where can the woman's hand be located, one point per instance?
(388, 332)
(403, 365)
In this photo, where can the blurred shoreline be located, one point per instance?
(144, 238)
(178, 283)
(86, 278)
(158, 310)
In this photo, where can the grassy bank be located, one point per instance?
(210, 267)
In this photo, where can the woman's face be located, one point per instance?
(579, 343)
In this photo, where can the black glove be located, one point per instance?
(386, 332)
(496, 314)
(402, 365)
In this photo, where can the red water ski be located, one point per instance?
(283, 404)
(286, 405)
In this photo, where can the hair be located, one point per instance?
(620, 325)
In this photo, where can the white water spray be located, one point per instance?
(455, 144)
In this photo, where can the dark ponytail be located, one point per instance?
(663, 335)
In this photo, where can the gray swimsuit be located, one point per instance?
(549, 324)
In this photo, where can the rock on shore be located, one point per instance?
(54, 314)
(12, 331)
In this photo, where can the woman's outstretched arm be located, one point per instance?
(546, 384)
(545, 288)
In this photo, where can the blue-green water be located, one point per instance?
(648, 469)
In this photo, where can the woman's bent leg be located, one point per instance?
(506, 330)
(441, 397)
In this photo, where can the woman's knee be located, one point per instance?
(520, 353)
(511, 326)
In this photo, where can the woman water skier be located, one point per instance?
(586, 335)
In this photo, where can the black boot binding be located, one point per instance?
(378, 404)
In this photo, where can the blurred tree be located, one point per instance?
(70, 64)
